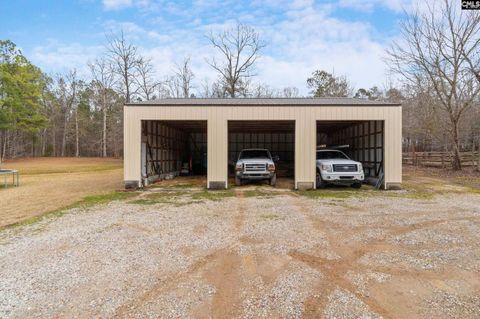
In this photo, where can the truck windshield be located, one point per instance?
(330, 155)
(248, 154)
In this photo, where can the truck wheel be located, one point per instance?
(357, 185)
(238, 181)
(273, 180)
(320, 182)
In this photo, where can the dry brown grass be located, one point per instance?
(48, 184)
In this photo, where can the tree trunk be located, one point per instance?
(104, 135)
(64, 135)
(456, 160)
(127, 85)
(33, 145)
(77, 151)
(54, 140)
(2, 146)
(13, 145)
(44, 141)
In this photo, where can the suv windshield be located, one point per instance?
(330, 155)
(254, 154)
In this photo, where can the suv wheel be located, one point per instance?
(273, 180)
(238, 181)
(357, 185)
(320, 182)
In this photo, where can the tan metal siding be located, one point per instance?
(305, 133)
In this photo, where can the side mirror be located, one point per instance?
(276, 158)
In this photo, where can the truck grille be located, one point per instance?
(344, 167)
(255, 167)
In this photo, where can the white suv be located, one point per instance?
(334, 167)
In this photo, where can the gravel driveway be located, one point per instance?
(243, 253)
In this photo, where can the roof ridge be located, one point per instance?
(302, 101)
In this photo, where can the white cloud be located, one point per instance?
(116, 4)
(369, 5)
(55, 57)
(309, 39)
(304, 38)
(122, 4)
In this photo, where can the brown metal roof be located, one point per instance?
(330, 101)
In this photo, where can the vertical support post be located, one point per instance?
(393, 150)
(305, 151)
(131, 147)
(217, 149)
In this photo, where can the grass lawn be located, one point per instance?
(49, 184)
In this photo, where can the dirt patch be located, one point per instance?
(182, 182)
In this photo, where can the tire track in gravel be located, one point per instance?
(224, 261)
(334, 270)
(240, 218)
(224, 272)
(161, 287)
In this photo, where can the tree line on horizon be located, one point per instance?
(437, 60)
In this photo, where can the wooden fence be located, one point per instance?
(439, 159)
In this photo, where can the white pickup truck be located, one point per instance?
(255, 164)
(334, 167)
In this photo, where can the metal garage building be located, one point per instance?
(207, 134)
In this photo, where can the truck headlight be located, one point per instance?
(271, 167)
(360, 167)
(326, 167)
(239, 167)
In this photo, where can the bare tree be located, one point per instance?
(290, 92)
(145, 80)
(125, 60)
(103, 76)
(67, 98)
(184, 76)
(215, 89)
(263, 90)
(172, 86)
(435, 49)
(179, 84)
(471, 53)
(206, 90)
(472, 58)
(75, 113)
(239, 48)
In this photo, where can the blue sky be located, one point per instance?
(346, 36)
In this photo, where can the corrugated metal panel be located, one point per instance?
(305, 133)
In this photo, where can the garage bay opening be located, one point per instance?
(174, 148)
(277, 137)
(360, 141)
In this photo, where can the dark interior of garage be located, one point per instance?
(173, 148)
(276, 136)
(362, 141)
